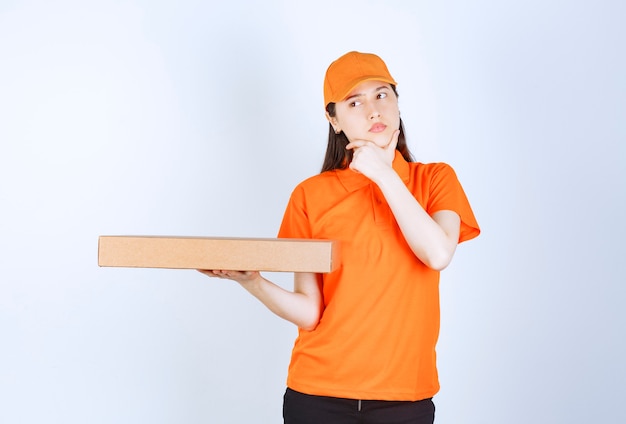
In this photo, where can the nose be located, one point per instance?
(374, 113)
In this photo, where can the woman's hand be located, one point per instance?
(242, 277)
(372, 160)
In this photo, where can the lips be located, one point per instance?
(378, 127)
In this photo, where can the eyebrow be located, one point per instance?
(382, 87)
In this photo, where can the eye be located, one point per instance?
(381, 95)
(355, 103)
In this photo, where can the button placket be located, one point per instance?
(379, 206)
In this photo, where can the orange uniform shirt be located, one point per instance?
(377, 334)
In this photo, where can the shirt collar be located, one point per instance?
(353, 181)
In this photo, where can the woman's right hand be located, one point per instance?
(242, 277)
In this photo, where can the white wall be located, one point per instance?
(193, 118)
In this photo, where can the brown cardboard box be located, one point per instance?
(242, 254)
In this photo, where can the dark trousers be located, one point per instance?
(300, 408)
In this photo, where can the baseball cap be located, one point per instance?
(350, 70)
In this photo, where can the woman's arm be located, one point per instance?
(432, 239)
(303, 306)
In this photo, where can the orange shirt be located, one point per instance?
(377, 334)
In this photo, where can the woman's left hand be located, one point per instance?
(372, 160)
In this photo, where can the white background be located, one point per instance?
(198, 118)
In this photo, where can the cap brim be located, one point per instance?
(343, 94)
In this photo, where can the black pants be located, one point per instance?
(300, 408)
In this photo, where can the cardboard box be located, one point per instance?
(242, 254)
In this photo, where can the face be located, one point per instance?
(369, 112)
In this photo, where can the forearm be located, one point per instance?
(428, 240)
(299, 308)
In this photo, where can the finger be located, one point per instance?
(357, 143)
(393, 143)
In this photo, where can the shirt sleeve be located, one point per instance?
(446, 193)
(295, 223)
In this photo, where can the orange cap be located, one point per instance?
(350, 70)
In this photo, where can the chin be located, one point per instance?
(381, 140)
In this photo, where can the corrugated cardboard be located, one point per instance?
(241, 254)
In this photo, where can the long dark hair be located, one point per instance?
(337, 157)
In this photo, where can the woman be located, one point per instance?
(367, 331)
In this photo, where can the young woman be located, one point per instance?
(365, 352)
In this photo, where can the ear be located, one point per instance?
(333, 122)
